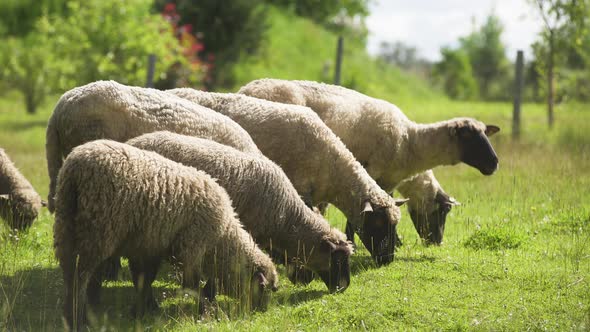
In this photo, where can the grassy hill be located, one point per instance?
(297, 48)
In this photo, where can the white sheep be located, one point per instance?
(107, 109)
(19, 202)
(318, 164)
(266, 202)
(116, 200)
(390, 146)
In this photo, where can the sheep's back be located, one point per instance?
(140, 198)
(114, 111)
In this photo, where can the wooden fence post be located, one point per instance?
(150, 72)
(518, 87)
(338, 67)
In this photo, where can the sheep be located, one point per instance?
(318, 164)
(116, 200)
(390, 146)
(19, 202)
(107, 109)
(267, 204)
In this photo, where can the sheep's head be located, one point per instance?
(431, 225)
(335, 274)
(330, 261)
(21, 209)
(474, 146)
(378, 230)
(263, 283)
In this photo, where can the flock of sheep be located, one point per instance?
(218, 183)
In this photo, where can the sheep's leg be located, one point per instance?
(192, 280)
(209, 291)
(95, 285)
(111, 268)
(77, 275)
(143, 273)
(349, 230)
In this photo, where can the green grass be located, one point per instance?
(516, 254)
(296, 48)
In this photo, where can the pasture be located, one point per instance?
(516, 253)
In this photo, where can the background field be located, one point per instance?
(516, 254)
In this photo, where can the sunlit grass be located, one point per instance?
(516, 253)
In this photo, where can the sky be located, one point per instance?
(429, 25)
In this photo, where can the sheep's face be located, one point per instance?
(335, 274)
(475, 148)
(431, 226)
(379, 230)
(261, 287)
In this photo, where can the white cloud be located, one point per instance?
(431, 24)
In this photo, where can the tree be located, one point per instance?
(406, 57)
(30, 67)
(487, 54)
(556, 16)
(455, 74)
(323, 11)
(19, 17)
(228, 30)
(97, 39)
(111, 39)
(344, 17)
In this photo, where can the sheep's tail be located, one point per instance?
(53, 153)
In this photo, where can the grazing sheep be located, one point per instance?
(107, 109)
(116, 200)
(19, 202)
(318, 164)
(390, 146)
(266, 202)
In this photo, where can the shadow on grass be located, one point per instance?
(300, 296)
(32, 300)
(416, 259)
(15, 126)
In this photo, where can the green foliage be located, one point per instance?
(229, 28)
(30, 67)
(323, 11)
(19, 17)
(96, 40)
(455, 74)
(565, 44)
(487, 55)
(111, 40)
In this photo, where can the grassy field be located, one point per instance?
(516, 254)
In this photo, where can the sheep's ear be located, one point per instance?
(453, 201)
(261, 279)
(400, 202)
(491, 130)
(367, 207)
(43, 203)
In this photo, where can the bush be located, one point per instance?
(494, 239)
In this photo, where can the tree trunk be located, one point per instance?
(550, 80)
(30, 102)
